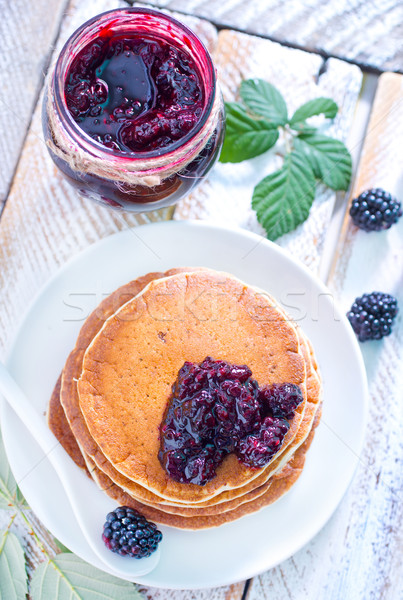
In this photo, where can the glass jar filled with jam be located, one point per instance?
(133, 116)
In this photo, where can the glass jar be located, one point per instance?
(146, 178)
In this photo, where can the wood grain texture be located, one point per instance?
(357, 556)
(367, 33)
(381, 165)
(44, 224)
(231, 592)
(225, 197)
(27, 33)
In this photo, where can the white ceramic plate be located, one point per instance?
(257, 542)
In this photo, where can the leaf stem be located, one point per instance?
(288, 137)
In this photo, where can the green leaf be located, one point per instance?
(329, 159)
(13, 576)
(67, 577)
(304, 128)
(9, 492)
(282, 200)
(245, 137)
(317, 106)
(263, 99)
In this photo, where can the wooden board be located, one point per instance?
(226, 195)
(357, 555)
(27, 33)
(44, 222)
(367, 33)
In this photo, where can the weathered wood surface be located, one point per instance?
(43, 224)
(367, 33)
(27, 33)
(231, 592)
(357, 555)
(225, 197)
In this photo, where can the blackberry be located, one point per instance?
(281, 399)
(258, 448)
(128, 533)
(372, 315)
(375, 210)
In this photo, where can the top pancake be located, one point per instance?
(131, 364)
(87, 446)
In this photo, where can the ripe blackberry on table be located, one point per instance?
(128, 533)
(372, 315)
(375, 210)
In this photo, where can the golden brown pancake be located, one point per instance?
(223, 499)
(58, 423)
(227, 498)
(130, 365)
(122, 293)
(248, 499)
(226, 504)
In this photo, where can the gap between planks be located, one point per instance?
(318, 47)
(355, 144)
(35, 98)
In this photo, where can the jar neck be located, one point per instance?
(152, 24)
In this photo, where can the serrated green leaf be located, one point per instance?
(9, 492)
(67, 577)
(13, 575)
(329, 159)
(317, 106)
(245, 137)
(282, 200)
(263, 99)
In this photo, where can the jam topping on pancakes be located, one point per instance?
(216, 408)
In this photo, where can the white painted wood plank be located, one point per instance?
(27, 33)
(226, 195)
(44, 224)
(367, 33)
(357, 556)
(231, 592)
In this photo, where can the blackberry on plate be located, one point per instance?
(128, 533)
(375, 210)
(372, 315)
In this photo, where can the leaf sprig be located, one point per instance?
(283, 199)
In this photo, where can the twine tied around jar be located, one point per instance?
(149, 172)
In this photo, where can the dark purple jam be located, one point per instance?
(216, 408)
(131, 93)
(133, 117)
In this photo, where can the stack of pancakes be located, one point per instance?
(110, 400)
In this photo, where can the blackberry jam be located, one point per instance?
(133, 116)
(216, 408)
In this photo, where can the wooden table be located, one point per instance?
(357, 555)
